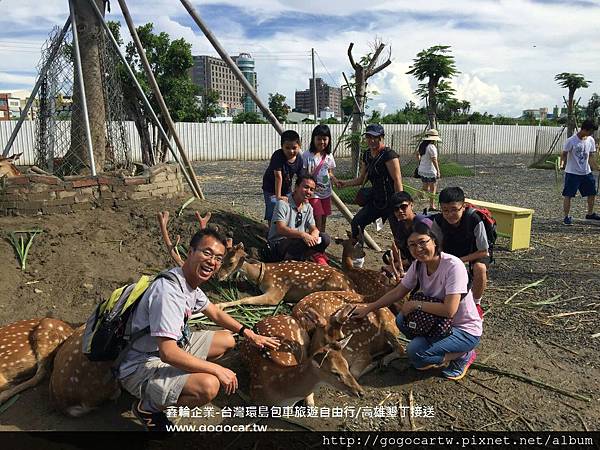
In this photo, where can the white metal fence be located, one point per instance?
(226, 141)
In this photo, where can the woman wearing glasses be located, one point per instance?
(441, 276)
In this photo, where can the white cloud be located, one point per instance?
(16, 80)
(507, 51)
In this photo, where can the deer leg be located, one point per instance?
(33, 381)
(362, 365)
(268, 298)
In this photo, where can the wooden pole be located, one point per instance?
(158, 95)
(267, 113)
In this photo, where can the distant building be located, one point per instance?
(212, 73)
(538, 114)
(12, 103)
(327, 97)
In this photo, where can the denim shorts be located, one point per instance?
(586, 184)
(269, 205)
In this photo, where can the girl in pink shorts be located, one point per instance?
(319, 163)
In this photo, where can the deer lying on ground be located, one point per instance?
(27, 348)
(302, 362)
(370, 283)
(7, 168)
(288, 280)
(375, 335)
(78, 385)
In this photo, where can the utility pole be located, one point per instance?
(315, 107)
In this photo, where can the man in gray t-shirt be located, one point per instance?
(293, 233)
(171, 366)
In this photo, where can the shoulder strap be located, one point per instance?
(133, 337)
(318, 168)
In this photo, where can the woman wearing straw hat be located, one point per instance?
(429, 167)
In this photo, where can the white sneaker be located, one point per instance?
(358, 262)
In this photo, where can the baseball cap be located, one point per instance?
(374, 129)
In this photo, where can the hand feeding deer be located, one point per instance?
(302, 362)
(289, 280)
(373, 336)
(27, 347)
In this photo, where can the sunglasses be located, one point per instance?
(402, 207)
(298, 219)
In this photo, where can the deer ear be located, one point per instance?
(313, 316)
(344, 341)
(343, 314)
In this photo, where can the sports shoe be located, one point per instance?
(592, 216)
(320, 259)
(152, 421)
(479, 310)
(358, 262)
(433, 366)
(458, 368)
(568, 220)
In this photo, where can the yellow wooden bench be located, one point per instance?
(510, 220)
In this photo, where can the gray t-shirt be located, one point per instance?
(165, 307)
(288, 212)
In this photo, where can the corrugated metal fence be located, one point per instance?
(225, 141)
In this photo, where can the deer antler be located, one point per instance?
(163, 219)
(203, 221)
(398, 271)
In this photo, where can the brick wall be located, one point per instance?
(45, 194)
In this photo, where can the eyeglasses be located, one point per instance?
(210, 255)
(403, 207)
(298, 219)
(421, 244)
(451, 210)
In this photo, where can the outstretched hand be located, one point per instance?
(260, 341)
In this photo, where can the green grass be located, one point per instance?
(549, 163)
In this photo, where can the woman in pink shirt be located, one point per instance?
(442, 276)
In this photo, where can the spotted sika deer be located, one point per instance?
(302, 362)
(368, 282)
(288, 280)
(7, 168)
(27, 349)
(78, 385)
(371, 337)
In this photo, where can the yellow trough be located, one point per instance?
(510, 220)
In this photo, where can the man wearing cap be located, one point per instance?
(401, 224)
(381, 166)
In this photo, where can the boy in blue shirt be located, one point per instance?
(285, 163)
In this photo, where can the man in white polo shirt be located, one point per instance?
(578, 160)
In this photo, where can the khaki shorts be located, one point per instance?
(160, 383)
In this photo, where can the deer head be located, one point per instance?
(301, 363)
(7, 168)
(235, 257)
(352, 248)
(27, 348)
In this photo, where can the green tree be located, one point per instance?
(278, 107)
(375, 117)
(572, 82)
(170, 62)
(209, 104)
(433, 65)
(593, 107)
(248, 117)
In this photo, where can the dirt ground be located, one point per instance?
(541, 333)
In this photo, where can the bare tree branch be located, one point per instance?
(380, 68)
(375, 57)
(354, 65)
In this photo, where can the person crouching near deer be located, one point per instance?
(293, 234)
(171, 366)
(440, 317)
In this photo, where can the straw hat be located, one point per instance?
(432, 135)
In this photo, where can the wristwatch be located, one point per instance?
(242, 329)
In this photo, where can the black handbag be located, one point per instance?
(416, 173)
(363, 195)
(421, 323)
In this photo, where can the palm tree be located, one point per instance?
(571, 81)
(433, 65)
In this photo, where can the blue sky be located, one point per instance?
(507, 51)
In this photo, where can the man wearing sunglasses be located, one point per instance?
(293, 234)
(401, 224)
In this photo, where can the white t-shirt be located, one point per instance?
(426, 167)
(310, 163)
(578, 152)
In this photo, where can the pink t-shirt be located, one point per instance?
(451, 277)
